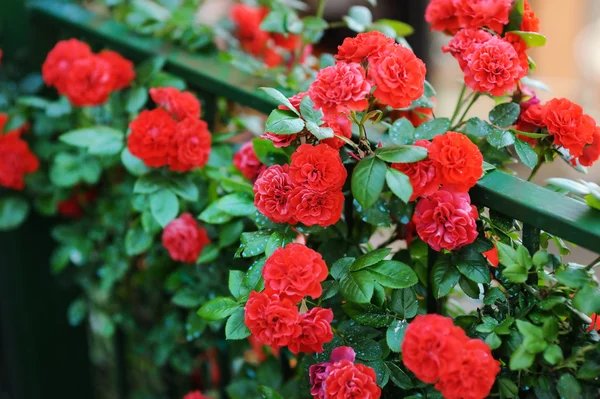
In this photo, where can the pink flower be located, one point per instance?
(319, 372)
(246, 161)
(464, 42)
(446, 220)
(272, 191)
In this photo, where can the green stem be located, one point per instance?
(459, 103)
(338, 24)
(321, 8)
(473, 101)
(536, 169)
(593, 264)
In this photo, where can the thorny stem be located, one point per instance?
(579, 354)
(459, 103)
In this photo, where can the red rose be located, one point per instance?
(458, 161)
(317, 167)
(295, 100)
(272, 191)
(471, 374)
(431, 343)
(16, 159)
(530, 120)
(464, 43)
(246, 161)
(320, 371)
(150, 137)
(591, 153)
(446, 220)
(272, 58)
(294, 272)
(569, 126)
(316, 331)
(492, 256)
(121, 69)
(520, 47)
(272, 320)
(248, 20)
(190, 146)
(530, 22)
(423, 176)
(89, 82)
(364, 46)
(493, 67)
(60, 59)
(279, 140)
(195, 395)
(347, 380)
(322, 208)
(442, 16)
(594, 326)
(341, 126)
(398, 76)
(184, 239)
(340, 88)
(288, 42)
(416, 116)
(70, 208)
(492, 14)
(181, 104)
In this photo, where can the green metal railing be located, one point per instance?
(538, 208)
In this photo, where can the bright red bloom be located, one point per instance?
(595, 323)
(121, 68)
(184, 239)
(464, 43)
(431, 344)
(272, 191)
(60, 59)
(320, 371)
(530, 22)
(492, 14)
(279, 140)
(317, 167)
(73, 206)
(316, 331)
(195, 395)
(246, 161)
(458, 161)
(423, 175)
(520, 47)
(311, 207)
(364, 46)
(190, 146)
(295, 272)
(570, 127)
(530, 120)
(288, 42)
(347, 380)
(492, 256)
(470, 375)
(398, 76)
(446, 220)
(591, 153)
(248, 20)
(181, 104)
(493, 67)
(416, 116)
(88, 82)
(150, 138)
(272, 320)
(442, 16)
(341, 126)
(16, 159)
(340, 88)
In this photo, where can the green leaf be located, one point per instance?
(494, 294)
(504, 115)
(137, 240)
(469, 287)
(321, 133)
(569, 185)
(553, 354)
(499, 138)
(214, 215)
(235, 282)
(587, 300)
(405, 303)
(493, 341)
(393, 274)
(368, 180)
(236, 204)
(402, 132)
(358, 18)
(268, 154)
(148, 69)
(134, 165)
(367, 314)
(274, 22)
(13, 212)
(475, 269)
(280, 98)
(284, 122)
(526, 154)
(533, 337)
(568, 387)
(395, 335)
(77, 311)
(367, 349)
(507, 255)
(218, 308)
(521, 359)
(399, 377)
(309, 113)
(478, 128)
(515, 273)
(186, 298)
(369, 259)
(268, 393)
(435, 127)
(136, 99)
(164, 206)
(253, 244)
(277, 240)
(357, 286)
(532, 39)
(341, 267)
(402, 29)
(149, 183)
(209, 253)
(508, 389)
(184, 187)
(574, 277)
(235, 327)
(445, 277)
(516, 16)
(404, 153)
(99, 140)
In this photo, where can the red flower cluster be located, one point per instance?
(530, 23)
(423, 175)
(73, 207)
(246, 161)
(195, 395)
(16, 159)
(341, 378)
(291, 273)
(184, 239)
(438, 352)
(85, 78)
(172, 135)
(271, 47)
(308, 191)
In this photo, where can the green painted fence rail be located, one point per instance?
(535, 206)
